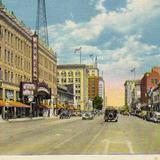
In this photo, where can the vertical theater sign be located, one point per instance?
(35, 58)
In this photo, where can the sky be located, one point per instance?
(123, 34)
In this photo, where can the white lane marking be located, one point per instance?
(130, 147)
(94, 138)
(106, 146)
(109, 142)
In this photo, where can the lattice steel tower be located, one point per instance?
(0, 2)
(41, 21)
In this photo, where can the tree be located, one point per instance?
(97, 103)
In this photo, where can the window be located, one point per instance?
(11, 76)
(1, 32)
(11, 58)
(63, 73)
(70, 74)
(1, 74)
(8, 60)
(70, 80)
(0, 52)
(77, 74)
(5, 75)
(5, 55)
(77, 80)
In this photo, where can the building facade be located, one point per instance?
(78, 76)
(149, 81)
(101, 90)
(24, 59)
(156, 98)
(15, 56)
(93, 81)
(65, 95)
(129, 93)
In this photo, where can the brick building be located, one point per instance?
(149, 81)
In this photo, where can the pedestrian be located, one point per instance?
(6, 114)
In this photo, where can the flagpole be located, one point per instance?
(134, 73)
(80, 57)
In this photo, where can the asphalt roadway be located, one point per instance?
(130, 135)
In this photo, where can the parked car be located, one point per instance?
(155, 117)
(132, 113)
(65, 114)
(111, 114)
(148, 115)
(125, 113)
(142, 114)
(87, 115)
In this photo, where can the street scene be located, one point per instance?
(129, 135)
(79, 77)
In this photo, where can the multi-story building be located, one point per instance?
(156, 98)
(137, 94)
(149, 81)
(93, 81)
(78, 76)
(101, 90)
(129, 93)
(65, 96)
(24, 58)
(15, 55)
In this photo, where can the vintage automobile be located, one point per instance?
(111, 114)
(155, 117)
(87, 115)
(65, 114)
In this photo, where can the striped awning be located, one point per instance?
(13, 104)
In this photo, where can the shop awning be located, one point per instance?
(13, 104)
(18, 104)
(45, 106)
(3, 103)
(59, 106)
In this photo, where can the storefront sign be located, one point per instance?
(35, 58)
(27, 90)
(43, 89)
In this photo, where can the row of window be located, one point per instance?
(70, 74)
(14, 41)
(10, 59)
(70, 80)
(47, 76)
(46, 63)
(12, 77)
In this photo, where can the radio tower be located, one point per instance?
(41, 21)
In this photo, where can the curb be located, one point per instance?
(26, 119)
(31, 119)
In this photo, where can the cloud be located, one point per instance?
(100, 7)
(118, 52)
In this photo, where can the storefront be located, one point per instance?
(36, 95)
(13, 109)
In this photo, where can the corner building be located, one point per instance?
(16, 63)
(77, 75)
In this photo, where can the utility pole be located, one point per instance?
(41, 21)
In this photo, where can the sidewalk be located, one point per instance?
(27, 119)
